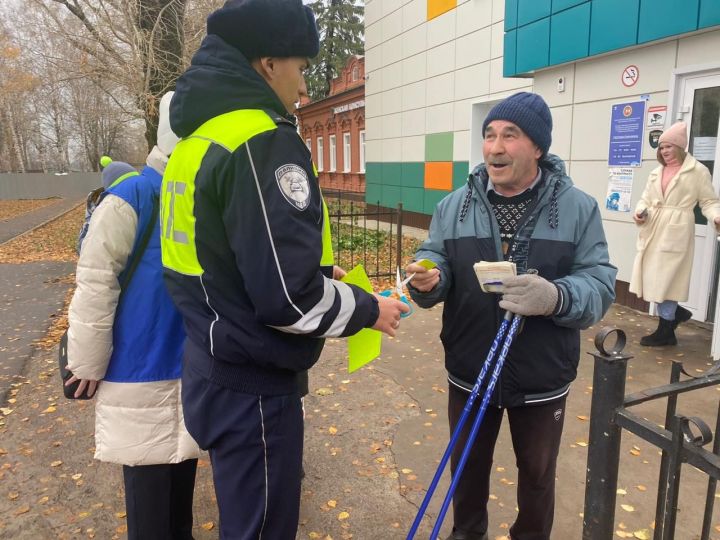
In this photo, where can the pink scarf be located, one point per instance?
(669, 171)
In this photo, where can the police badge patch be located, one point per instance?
(293, 183)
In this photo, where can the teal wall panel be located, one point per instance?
(413, 175)
(709, 13)
(570, 34)
(581, 28)
(413, 199)
(391, 174)
(373, 173)
(608, 31)
(373, 193)
(460, 173)
(511, 7)
(391, 195)
(532, 10)
(533, 46)
(509, 53)
(432, 197)
(559, 5)
(663, 18)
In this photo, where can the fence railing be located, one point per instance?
(681, 440)
(365, 234)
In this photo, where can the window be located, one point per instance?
(333, 156)
(320, 152)
(355, 73)
(346, 152)
(362, 151)
(308, 143)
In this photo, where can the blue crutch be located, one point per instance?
(461, 422)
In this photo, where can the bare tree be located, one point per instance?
(135, 48)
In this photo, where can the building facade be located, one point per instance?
(334, 130)
(436, 67)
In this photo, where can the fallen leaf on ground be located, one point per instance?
(627, 507)
(209, 526)
(343, 516)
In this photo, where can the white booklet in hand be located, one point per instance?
(491, 274)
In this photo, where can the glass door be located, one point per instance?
(701, 108)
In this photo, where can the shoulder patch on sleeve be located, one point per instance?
(293, 183)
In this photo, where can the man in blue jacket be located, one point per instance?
(518, 206)
(248, 260)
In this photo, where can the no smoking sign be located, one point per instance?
(630, 76)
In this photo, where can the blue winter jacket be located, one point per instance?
(562, 237)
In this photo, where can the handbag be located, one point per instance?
(65, 373)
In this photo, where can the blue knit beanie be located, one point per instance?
(530, 113)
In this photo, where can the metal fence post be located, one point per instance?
(604, 445)
(399, 234)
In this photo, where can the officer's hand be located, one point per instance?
(389, 319)
(528, 294)
(424, 280)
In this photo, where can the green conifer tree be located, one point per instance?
(340, 23)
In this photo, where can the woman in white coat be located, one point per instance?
(128, 345)
(666, 242)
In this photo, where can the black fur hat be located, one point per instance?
(260, 28)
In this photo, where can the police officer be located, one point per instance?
(246, 247)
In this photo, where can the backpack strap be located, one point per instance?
(144, 240)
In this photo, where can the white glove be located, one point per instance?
(529, 294)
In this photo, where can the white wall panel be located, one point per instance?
(413, 122)
(473, 15)
(439, 118)
(391, 126)
(414, 13)
(441, 29)
(414, 41)
(473, 81)
(440, 89)
(413, 149)
(498, 83)
(601, 78)
(391, 101)
(414, 68)
(700, 49)
(473, 48)
(441, 59)
(413, 96)
(461, 146)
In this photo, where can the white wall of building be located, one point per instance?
(424, 76)
(435, 76)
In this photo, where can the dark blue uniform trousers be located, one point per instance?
(255, 445)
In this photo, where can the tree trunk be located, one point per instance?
(161, 29)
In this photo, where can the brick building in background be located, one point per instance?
(334, 130)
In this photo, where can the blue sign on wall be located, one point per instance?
(626, 134)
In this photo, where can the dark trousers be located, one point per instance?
(159, 500)
(535, 432)
(255, 445)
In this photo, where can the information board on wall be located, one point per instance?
(627, 125)
(620, 183)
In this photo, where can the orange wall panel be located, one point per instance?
(438, 7)
(438, 175)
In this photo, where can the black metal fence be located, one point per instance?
(681, 440)
(365, 234)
